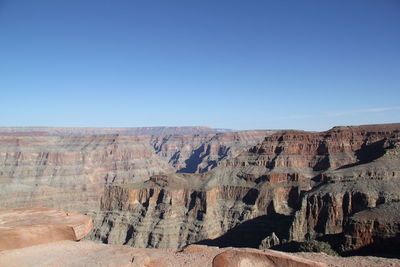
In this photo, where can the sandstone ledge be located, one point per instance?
(38, 225)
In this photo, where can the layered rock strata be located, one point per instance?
(70, 172)
(179, 209)
(201, 153)
(374, 229)
(339, 193)
(126, 131)
(28, 237)
(295, 184)
(309, 181)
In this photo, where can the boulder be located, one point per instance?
(269, 241)
(262, 258)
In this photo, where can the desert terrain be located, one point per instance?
(184, 195)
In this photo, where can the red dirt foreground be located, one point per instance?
(37, 225)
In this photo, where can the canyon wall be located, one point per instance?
(70, 172)
(311, 182)
(250, 188)
(200, 153)
(179, 209)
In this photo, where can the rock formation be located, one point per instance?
(32, 226)
(200, 153)
(256, 258)
(339, 193)
(311, 182)
(87, 253)
(270, 241)
(42, 237)
(374, 229)
(70, 172)
(227, 189)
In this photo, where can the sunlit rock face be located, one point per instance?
(311, 181)
(231, 188)
(70, 172)
(68, 169)
(345, 191)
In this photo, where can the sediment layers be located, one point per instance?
(221, 189)
(201, 153)
(311, 181)
(176, 210)
(42, 236)
(126, 131)
(70, 172)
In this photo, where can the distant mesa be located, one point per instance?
(79, 131)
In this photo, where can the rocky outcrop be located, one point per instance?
(313, 181)
(32, 226)
(295, 184)
(172, 212)
(201, 153)
(28, 237)
(342, 192)
(319, 151)
(374, 229)
(256, 258)
(270, 241)
(70, 172)
(180, 209)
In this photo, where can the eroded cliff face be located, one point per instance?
(221, 189)
(352, 188)
(201, 153)
(176, 210)
(62, 168)
(314, 181)
(70, 172)
(374, 229)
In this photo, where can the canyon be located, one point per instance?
(70, 171)
(169, 188)
(48, 237)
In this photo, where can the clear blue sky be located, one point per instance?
(226, 64)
